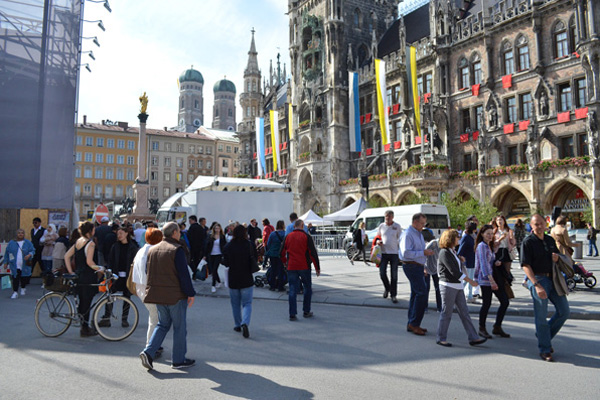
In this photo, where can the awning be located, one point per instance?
(311, 218)
(349, 213)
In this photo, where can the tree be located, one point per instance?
(460, 210)
(417, 198)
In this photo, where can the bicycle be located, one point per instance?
(55, 311)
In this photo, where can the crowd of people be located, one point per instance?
(477, 263)
(163, 265)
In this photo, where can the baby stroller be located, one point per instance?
(581, 276)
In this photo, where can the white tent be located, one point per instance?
(311, 218)
(349, 213)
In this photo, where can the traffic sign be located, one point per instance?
(101, 211)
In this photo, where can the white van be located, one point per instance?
(437, 218)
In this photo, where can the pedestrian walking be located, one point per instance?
(213, 253)
(359, 238)
(36, 234)
(139, 277)
(47, 242)
(169, 286)
(84, 254)
(451, 289)
(297, 253)
(60, 249)
(277, 278)
(431, 264)
(519, 232)
(591, 237)
(240, 256)
(194, 236)
(119, 260)
(102, 231)
(390, 232)
(539, 254)
(414, 254)
(489, 273)
(18, 256)
(466, 249)
(561, 236)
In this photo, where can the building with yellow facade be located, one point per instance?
(105, 164)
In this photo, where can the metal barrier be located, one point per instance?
(328, 244)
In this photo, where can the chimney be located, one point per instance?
(85, 119)
(123, 125)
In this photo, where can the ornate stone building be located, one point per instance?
(191, 101)
(224, 105)
(508, 97)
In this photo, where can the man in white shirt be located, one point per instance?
(389, 231)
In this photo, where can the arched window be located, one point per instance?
(508, 58)
(572, 34)
(476, 69)
(523, 51)
(559, 34)
(363, 54)
(463, 73)
(357, 18)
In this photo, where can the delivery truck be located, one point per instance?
(228, 199)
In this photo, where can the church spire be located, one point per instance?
(252, 67)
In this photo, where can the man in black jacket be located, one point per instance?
(194, 235)
(36, 234)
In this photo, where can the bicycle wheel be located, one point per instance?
(115, 318)
(53, 314)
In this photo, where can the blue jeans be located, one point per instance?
(277, 274)
(294, 277)
(592, 245)
(546, 329)
(393, 260)
(469, 290)
(241, 305)
(47, 264)
(418, 293)
(170, 315)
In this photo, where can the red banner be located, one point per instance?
(507, 81)
(426, 97)
(417, 139)
(475, 89)
(362, 119)
(464, 138)
(475, 135)
(396, 109)
(564, 117)
(369, 151)
(387, 147)
(254, 156)
(388, 110)
(397, 145)
(523, 125)
(368, 118)
(509, 128)
(581, 113)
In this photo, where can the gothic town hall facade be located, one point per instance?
(508, 94)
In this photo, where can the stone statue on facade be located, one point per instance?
(544, 104)
(492, 116)
(481, 159)
(154, 205)
(593, 142)
(532, 151)
(437, 141)
(128, 204)
(350, 58)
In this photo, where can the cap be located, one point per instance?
(104, 219)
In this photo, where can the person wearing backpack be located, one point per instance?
(277, 279)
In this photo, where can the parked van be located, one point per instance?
(437, 218)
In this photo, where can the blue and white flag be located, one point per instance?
(354, 112)
(260, 145)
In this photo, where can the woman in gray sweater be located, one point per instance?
(451, 290)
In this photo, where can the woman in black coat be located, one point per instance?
(240, 256)
(120, 260)
(213, 253)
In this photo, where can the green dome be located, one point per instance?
(191, 75)
(224, 85)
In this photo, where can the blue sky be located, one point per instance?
(147, 44)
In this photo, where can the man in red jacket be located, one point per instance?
(297, 252)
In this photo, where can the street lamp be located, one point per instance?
(90, 53)
(106, 5)
(87, 66)
(100, 24)
(94, 39)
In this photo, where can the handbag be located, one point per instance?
(513, 253)
(202, 272)
(6, 282)
(223, 272)
(376, 254)
(509, 292)
(130, 283)
(28, 262)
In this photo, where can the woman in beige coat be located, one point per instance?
(561, 236)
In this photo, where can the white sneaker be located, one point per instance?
(213, 289)
(22, 291)
(14, 295)
(218, 285)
